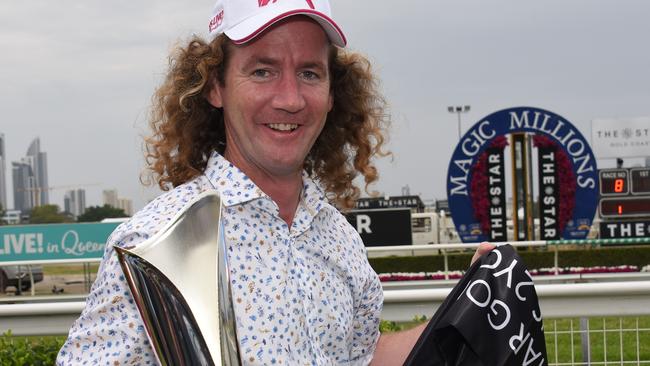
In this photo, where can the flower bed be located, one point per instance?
(418, 276)
(646, 268)
(440, 275)
(583, 270)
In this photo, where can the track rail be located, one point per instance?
(556, 301)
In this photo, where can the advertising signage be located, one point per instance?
(53, 242)
(414, 202)
(497, 195)
(625, 229)
(549, 199)
(578, 196)
(621, 138)
(382, 227)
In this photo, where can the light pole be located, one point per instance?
(458, 110)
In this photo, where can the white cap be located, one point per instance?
(243, 20)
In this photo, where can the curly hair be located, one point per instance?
(187, 128)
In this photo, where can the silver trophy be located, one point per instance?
(180, 282)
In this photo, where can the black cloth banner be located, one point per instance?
(490, 318)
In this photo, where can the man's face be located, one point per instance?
(275, 98)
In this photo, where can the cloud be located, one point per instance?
(80, 74)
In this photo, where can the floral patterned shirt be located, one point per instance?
(303, 295)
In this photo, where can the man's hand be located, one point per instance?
(483, 248)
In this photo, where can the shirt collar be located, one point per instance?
(235, 187)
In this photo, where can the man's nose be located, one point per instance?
(288, 95)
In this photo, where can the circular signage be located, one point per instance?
(574, 166)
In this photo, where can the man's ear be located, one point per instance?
(213, 95)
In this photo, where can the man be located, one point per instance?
(276, 117)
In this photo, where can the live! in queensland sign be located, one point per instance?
(53, 242)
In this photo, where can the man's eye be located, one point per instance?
(310, 75)
(261, 73)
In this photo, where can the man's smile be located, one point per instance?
(288, 127)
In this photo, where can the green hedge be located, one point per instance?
(534, 258)
(29, 351)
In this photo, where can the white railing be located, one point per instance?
(556, 301)
(53, 318)
(539, 280)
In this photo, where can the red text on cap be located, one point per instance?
(216, 21)
(261, 3)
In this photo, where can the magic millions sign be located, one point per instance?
(567, 177)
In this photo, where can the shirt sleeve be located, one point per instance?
(110, 330)
(367, 312)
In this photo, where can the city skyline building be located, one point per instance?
(23, 186)
(74, 202)
(126, 205)
(38, 160)
(30, 179)
(110, 197)
(3, 173)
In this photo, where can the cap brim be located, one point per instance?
(253, 26)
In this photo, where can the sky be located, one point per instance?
(80, 74)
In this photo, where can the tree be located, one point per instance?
(2, 214)
(48, 214)
(98, 213)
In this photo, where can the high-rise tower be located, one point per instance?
(74, 202)
(110, 197)
(30, 179)
(38, 161)
(23, 186)
(3, 173)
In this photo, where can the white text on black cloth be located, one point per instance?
(480, 293)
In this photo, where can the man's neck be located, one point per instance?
(284, 190)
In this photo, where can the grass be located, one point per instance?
(68, 269)
(391, 326)
(607, 337)
(604, 346)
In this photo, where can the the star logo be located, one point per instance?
(627, 133)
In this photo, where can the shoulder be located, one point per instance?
(364, 281)
(153, 217)
(336, 218)
(338, 225)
